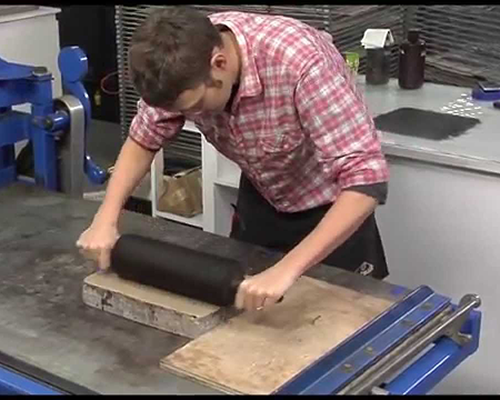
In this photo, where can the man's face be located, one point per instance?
(213, 95)
(207, 97)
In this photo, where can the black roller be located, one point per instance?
(170, 267)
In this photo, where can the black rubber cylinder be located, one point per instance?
(205, 277)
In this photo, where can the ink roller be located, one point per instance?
(167, 266)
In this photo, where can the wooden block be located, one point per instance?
(150, 306)
(257, 352)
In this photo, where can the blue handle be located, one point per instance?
(73, 64)
(95, 173)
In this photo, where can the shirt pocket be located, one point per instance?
(283, 152)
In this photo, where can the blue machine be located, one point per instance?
(56, 128)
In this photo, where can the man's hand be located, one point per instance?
(264, 289)
(96, 243)
(340, 222)
(99, 239)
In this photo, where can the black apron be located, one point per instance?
(256, 221)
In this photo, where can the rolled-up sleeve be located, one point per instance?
(335, 119)
(152, 127)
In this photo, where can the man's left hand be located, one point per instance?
(264, 289)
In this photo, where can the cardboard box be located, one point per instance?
(182, 193)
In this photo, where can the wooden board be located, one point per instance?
(150, 306)
(257, 352)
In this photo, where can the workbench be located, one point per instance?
(51, 342)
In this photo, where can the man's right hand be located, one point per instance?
(96, 243)
(99, 239)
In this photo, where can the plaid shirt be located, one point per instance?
(298, 128)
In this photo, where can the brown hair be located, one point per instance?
(170, 52)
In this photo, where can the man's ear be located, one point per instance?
(218, 61)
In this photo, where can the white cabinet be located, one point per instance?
(220, 188)
(156, 190)
(221, 179)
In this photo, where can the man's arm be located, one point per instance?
(99, 239)
(343, 219)
(334, 118)
(149, 130)
(132, 164)
(339, 223)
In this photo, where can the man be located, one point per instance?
(275, 96)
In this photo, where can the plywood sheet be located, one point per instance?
(257, 352)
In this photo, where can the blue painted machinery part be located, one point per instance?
(18, 377)
(56, 128)
(423, 330)
(479, 94)
(14, 383)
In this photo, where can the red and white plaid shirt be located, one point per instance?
(298, 128)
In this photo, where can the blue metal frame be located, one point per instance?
(13, 383)
(44, 143)
(7, 168)
(430, 369)
(21, 84)
(341, 365)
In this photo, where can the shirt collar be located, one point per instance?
(250, 84)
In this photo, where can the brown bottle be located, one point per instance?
(412, 61)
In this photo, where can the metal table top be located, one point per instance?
(478, 149)
(43, 321)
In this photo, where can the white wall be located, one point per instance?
(440, 228)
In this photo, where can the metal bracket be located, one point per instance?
(443, 325)
(73, 148)
(465, 307)
(377, 391)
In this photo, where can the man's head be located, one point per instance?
(178, 60)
